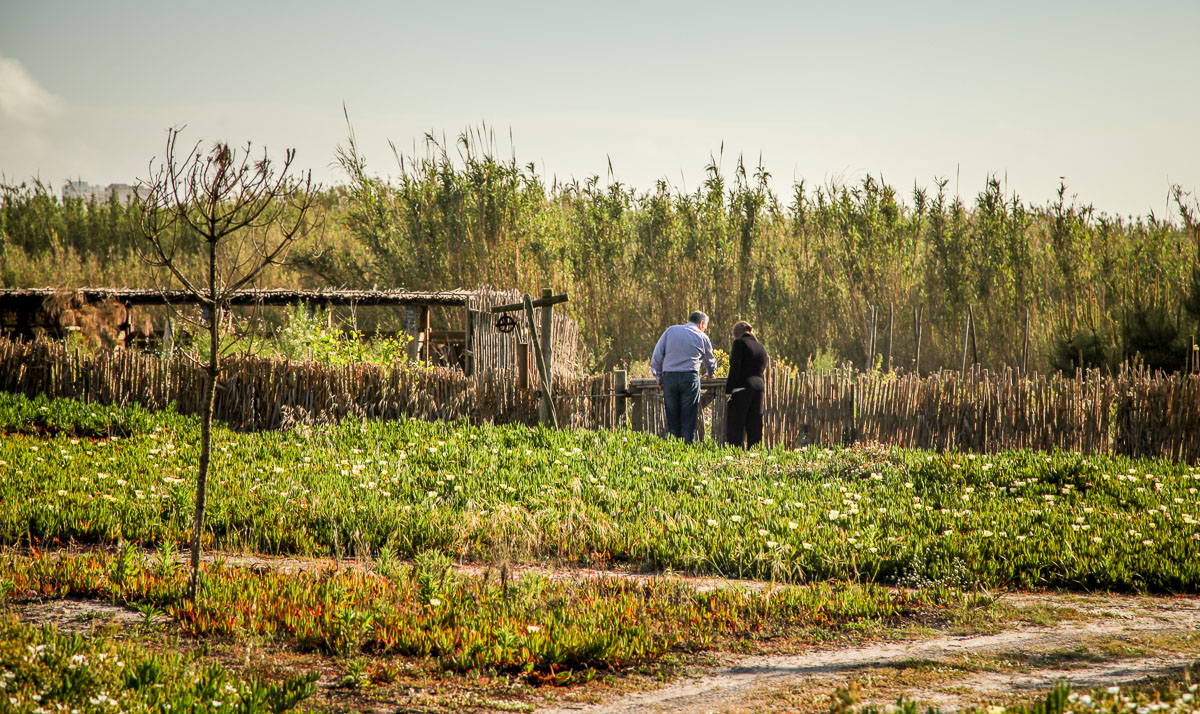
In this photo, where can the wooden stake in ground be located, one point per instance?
(241, 214)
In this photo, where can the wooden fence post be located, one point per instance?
(638, 416)
(410, 329)
(620, 380)
(523, 365)
(548, 333)
(425, 332)
(468, 356)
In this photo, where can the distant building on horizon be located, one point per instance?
(88, 191)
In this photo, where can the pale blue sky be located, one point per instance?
(1105, 94)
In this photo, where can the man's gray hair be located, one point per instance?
(698, 317)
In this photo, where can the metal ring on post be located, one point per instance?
(506, 323)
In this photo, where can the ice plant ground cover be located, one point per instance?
(548, 629)
(42, 670)
(867, 514)
(95, 502)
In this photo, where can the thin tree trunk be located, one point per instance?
(206, 418)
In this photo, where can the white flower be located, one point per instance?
(735, 518)
(711, 522)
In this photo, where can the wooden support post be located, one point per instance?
(620, 381)
(468, 354)
(546, 409)
(410, 329)
(523, 365)
(548, 332)
(425, 333)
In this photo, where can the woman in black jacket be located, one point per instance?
(747, 364)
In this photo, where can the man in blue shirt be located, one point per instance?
(676, 364)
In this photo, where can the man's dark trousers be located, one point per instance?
(744, 418)
(681, 400)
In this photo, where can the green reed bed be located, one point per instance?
(512, 493)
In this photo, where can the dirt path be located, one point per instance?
(751, 683)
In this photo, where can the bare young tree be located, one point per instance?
(238, 214)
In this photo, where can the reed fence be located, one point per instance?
(496, 349)
(1134, 412)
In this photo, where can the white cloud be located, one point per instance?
(21, 97)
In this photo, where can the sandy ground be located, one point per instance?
(747, 683)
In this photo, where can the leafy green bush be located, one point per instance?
(306, 336)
